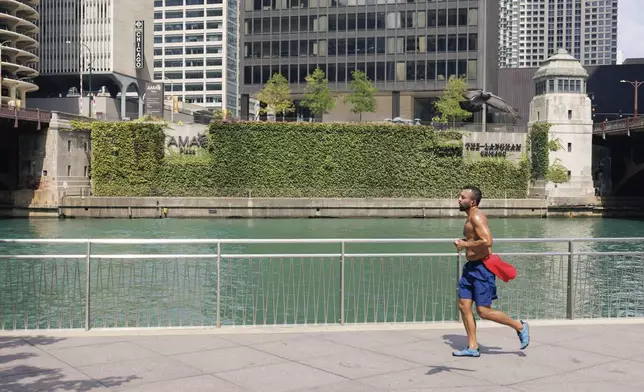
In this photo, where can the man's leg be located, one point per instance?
(465, 292)
(465, 307)
(497, 316)
(487, 313)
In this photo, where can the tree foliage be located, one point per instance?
(557, 172)
(555, 145)
(317, 96)
(363, 94)
(276, 94)
(449, 103)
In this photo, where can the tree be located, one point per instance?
(449, 103)
(317, 96)
(219, 115)
(363, 97)
(276, 95)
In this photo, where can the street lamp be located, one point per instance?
(635, 84)
(171, 98)
(91, 64)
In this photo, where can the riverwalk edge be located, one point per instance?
(198, 207)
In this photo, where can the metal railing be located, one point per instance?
(11, 112)
(618, 126)
(164, 283)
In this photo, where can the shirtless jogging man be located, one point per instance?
(478, 284)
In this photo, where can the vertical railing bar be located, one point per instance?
(459, 266)
(87, 284)
(218, 284)
(570, 299)
(342, 284)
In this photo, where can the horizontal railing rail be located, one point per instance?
(112, 283)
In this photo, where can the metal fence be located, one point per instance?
(618, 126)
(117, 283)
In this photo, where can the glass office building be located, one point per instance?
(409, 48)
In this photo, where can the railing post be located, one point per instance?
(570, 299)
(218, 284)
(459, 267)
(88, 259)
(342, 285)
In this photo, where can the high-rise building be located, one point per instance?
(532, 30)
(196, 51)
(409, 49)
(108, 42)
(18, 49)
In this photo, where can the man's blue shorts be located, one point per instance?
(477, 283)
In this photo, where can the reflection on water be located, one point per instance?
(182, 291)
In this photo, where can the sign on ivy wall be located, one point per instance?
(503, 145)
(188, 139)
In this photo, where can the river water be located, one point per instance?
(35, 293)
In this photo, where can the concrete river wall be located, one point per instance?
(179, 207)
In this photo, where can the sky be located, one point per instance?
(630, 28)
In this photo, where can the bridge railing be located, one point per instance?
(163, 283)
(617, 126)
(11, 112)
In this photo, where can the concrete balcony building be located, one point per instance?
(18, 49)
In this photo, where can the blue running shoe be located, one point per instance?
(524, 335)
(467, 352)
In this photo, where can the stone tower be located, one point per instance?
(560, 99)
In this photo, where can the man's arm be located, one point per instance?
(479, 222)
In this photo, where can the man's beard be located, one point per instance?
(463, 207)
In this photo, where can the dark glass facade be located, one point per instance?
(402, 45)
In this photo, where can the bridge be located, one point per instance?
(623, 143)
(619, 127)
(313, 315)
(38, 116)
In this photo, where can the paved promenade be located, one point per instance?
(607, 356)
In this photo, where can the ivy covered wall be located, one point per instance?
(297, 160)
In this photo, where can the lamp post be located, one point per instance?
(171, 99)
(635, 84)
(484, 4)
(91, 64)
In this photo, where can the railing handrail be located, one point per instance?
(167, 241)
(296, 282)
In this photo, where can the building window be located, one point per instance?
(85, 171)
(69, 146)
(569, 147)
(569, 118)
(69, 171)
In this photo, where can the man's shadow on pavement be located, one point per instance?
(458, 342)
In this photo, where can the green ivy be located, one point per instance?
(262, 159)
(557, 172)
(126, 157)
(539, 147)
(349, 160)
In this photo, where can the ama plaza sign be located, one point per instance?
(186, 139)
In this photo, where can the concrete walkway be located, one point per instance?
(571, 356)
